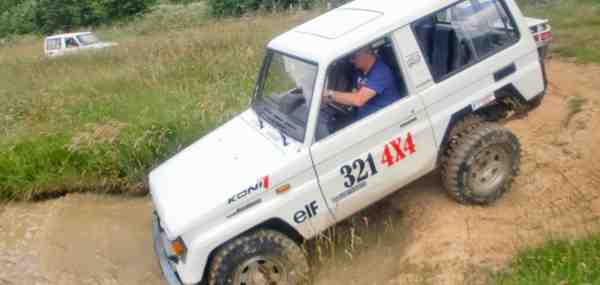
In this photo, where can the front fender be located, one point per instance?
(292, 208)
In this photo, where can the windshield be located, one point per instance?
(284, 94)
(88, 39)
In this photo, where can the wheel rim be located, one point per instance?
(490, 169)
(261, 270)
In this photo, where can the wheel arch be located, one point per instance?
(454, 120)
(514, 99)
(508, 97)
(275, 224)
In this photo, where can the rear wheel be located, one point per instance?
(482, 165)
(263, 257)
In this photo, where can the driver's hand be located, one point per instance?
(326, 98)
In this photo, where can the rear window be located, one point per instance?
(463, 34)
(53, 44)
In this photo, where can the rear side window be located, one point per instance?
(463, 34)
(53, 44)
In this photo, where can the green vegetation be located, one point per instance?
(557, 262)
(240, 7)
(19, 17)
(101, 121)
(576, 26)
(47, 16)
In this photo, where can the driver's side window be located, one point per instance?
(375, 68)
(71, 43)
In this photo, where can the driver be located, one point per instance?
(375, 86)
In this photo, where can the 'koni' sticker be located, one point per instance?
(261, 185)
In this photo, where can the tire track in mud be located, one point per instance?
(416, 236)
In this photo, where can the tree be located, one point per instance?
(48, 16)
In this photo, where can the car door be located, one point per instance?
(371, 158)
(473, 51)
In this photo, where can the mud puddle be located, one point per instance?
(416, 236)
(78, 239)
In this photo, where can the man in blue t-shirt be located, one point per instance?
(375, 84)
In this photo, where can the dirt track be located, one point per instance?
(423, 237)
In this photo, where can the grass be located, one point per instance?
(560, 262)
(101, 121)
(371, 234)
(575, 24)
(557, 262)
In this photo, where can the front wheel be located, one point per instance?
(263, 257)
(482, 165)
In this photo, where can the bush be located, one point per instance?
(183, 1)
(48, 16)
(240, 7)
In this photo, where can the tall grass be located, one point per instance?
(105, 119)
(95, 120)
(576, 26)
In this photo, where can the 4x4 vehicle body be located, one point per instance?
(63, 44)
(288, 168)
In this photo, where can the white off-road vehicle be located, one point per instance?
(234, 207)
(63, 44)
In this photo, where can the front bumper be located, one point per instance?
(165, 264)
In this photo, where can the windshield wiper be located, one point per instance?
(275, 120)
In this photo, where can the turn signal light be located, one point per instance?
(282, 189)
(178, 247)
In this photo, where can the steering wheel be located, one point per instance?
(340, 109)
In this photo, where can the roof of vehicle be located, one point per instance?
(68, 35)
(357, 23)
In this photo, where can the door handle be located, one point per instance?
(504, 72)
(411, 119)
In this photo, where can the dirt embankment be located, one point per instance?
(87, 239)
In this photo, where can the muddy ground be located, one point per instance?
(416, 236)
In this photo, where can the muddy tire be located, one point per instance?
(482, 165)
(460, 130)
(262, 257)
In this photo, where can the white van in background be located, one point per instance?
(62, 44)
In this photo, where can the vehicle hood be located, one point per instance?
(196, 185)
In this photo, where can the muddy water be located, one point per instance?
(78, 239)
(106, 240)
